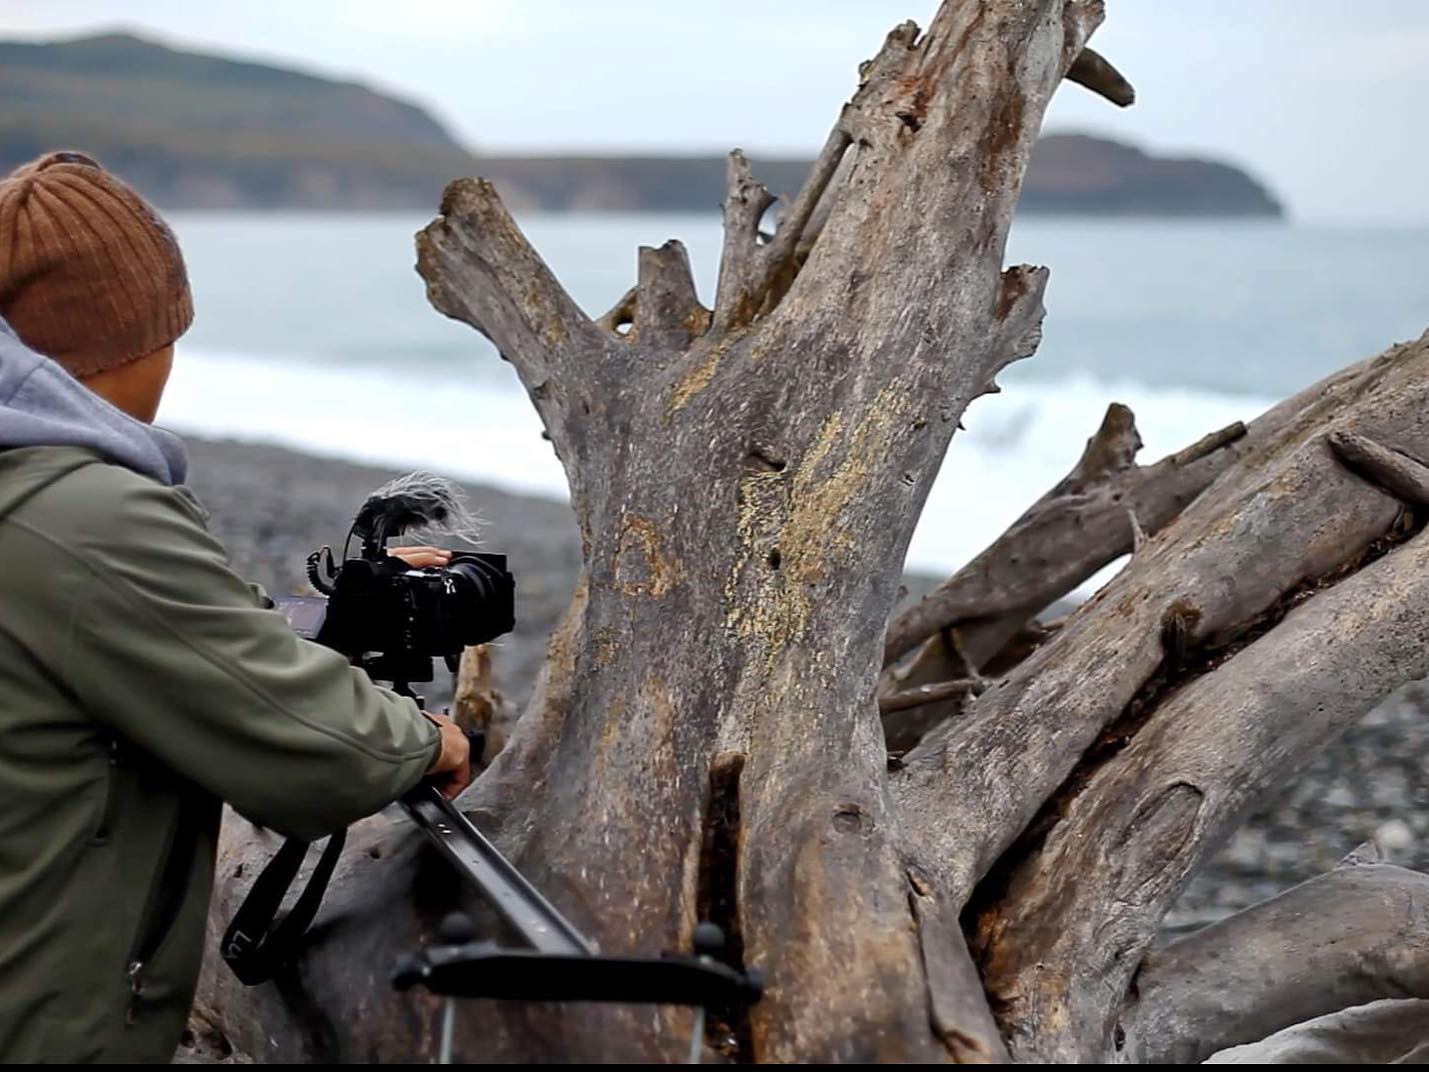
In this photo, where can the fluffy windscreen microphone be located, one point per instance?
(415, 501)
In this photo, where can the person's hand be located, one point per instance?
(421, 557)
(452, 767)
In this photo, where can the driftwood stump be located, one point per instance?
(707, 740)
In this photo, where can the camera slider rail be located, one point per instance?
(560, 964)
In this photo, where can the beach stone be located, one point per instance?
(1395, 837)
(1371, 783)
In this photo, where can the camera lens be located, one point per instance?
(480, 604)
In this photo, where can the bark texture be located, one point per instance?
(707, 740)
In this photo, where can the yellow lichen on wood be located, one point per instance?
(796, 514)
(641, 565)
(696, 379)
(610, 736)
(554, 331)
(698, 320)
(605, 645)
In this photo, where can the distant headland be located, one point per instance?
(208, 132)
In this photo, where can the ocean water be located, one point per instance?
(314, 332)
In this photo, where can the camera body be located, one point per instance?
(391, 619)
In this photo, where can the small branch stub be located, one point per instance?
(1091, 69)
(1398, 474)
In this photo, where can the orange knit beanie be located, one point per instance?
(89, 274)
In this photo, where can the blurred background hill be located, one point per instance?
(204, 131)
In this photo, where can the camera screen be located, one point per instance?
(305, 614)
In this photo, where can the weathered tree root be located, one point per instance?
(745, 483)
(705, 738)
(1348, 937)
(1391, 1031)
(1183, 693)
(1087, 520)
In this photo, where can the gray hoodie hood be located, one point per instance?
(42, 405)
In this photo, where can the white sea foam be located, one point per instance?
(1017, 443)
(388, 416)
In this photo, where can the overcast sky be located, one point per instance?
(1325, 100)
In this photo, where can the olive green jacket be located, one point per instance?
(141, 683)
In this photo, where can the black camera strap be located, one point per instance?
(257, 943)
(555, 962)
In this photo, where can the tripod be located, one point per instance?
(557, 962)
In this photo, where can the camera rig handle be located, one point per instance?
(532, 917)
(560, 964)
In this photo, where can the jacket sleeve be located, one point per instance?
(169, 648)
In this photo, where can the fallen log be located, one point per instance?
(705, 741)
(1349, 937)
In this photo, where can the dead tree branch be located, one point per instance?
(925, 694)
(1074, 530)
(480, 268)
(621, 314)
(703, 742)
(1346, 938)
(668, 313)
(1090, 897)
(478, 705)
(742, 262)
(1091, 70)
(1205, 580)
(812, 485)
(1397, 473)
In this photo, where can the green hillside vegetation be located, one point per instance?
(199, 131)
(123, 79)
(208, 131)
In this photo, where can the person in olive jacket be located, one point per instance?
(142, 682)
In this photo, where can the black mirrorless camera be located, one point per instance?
(392, 619)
